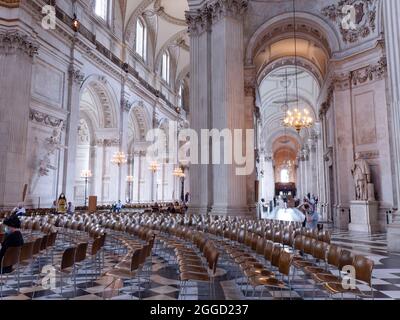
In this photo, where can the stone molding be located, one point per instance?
(11, 42)
(107, 142)
(43, 118)
(10, 3)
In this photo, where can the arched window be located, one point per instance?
(165, 64)
(285, 175)
(180, 96)
(141, 39)
(101, 8)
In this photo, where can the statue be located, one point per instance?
(362, 179)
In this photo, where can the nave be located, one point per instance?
(136, 255)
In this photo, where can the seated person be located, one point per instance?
(12, 238)
(19, 210)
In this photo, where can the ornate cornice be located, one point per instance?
(364, 15)
(42, 118)
(10, 3)
(11, 42)
(370, 72)
(76, 75)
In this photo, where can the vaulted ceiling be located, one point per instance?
(167, 27)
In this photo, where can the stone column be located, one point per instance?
(269, 178)
(200, 105)
(98, 170)
(227, 105)
(74, 83)
(16, 59)
(391, 9)
(252, 117)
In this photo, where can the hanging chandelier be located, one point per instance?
(297, 119)
(154, 166)
(178, 172)
(119, 158)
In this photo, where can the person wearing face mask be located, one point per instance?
(12, 237)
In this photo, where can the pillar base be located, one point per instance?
(232, 211)
(197, 210)
(364, 216)
(393, 237)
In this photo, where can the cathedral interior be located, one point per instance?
(199, 149)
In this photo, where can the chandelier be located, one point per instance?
(296, 118)
(288, 163)
(178, 172)
(86, 174)
(119, 158)
(154, 166)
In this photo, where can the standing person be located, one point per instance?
(54, 207)
(304, 208)
(62, 204)
(312, 220)
(187, 195)
(260, 208)
(70, 208)
(13, 238)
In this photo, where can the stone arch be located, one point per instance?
(104, 109)
(307, 25)
(139, 122)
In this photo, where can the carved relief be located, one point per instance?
(42, 118)
(356, 18)
(83, 132)
(370, 73)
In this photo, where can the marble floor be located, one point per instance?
(164, 280)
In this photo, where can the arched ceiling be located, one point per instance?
(272, 93)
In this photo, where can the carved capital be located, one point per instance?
(76, 75)
(227, 8)
(198, 21)
(126, 105)
(13, 42)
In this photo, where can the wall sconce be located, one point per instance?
(75, 24)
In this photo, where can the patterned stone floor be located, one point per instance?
(164, 280)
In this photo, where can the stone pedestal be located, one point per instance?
(364, 216)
